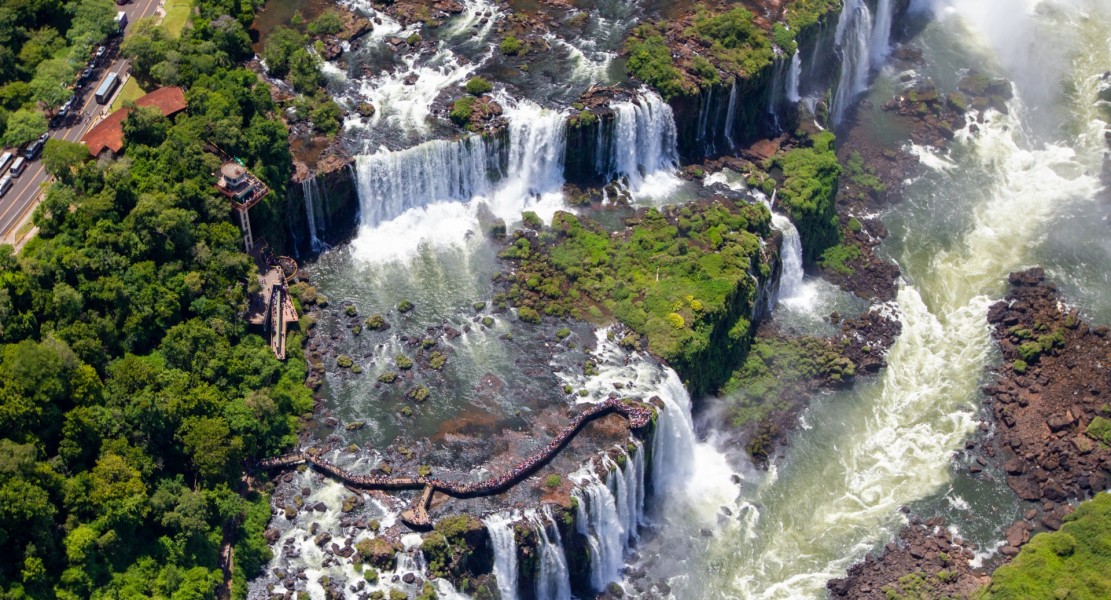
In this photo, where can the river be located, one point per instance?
(1022, 189)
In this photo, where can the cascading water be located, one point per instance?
(504, 542)
(730, 114)
(644, 141)
(314, 207)
(836, 493)
(425, 192)
(854, 40)
(793, 75)
(790, 257)
(881, 34)
(598, 520)
(553, 580)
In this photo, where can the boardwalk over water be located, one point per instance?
(638, 414)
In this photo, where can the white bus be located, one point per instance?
(5, 160)
(5, 185)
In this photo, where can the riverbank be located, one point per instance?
(1048, 438)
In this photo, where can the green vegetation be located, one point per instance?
(1019, 366)
(736, 44)
(511, 46)
(328, 23)
(177, 16)
(404, 306)
(649, 60)
(129, 92)
(344, 361)
(23, 126)
(388, 377)
(403, 362)
(450, 548)
(835, 258)
(809, 191)
(419, 394)
(784, 38)
(437, 360)
(693, 263)
(1073, 563)
(919, 586)
(1100, 430)
(553, 481)
(802, 14)
(462, 110)
(131, 389)
(376, 322)
(478, 86)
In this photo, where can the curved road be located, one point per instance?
(17, 205)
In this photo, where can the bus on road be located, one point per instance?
(109, 85)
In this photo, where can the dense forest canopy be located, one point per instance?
(131, 392)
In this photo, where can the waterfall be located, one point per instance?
(505, 554)
(673, 444)
(729, 114)
(310, 190)
(881, 34)
(599, 521)
(507, 172)
(627, 485)
(644, 139)
(854, 40)
(553, 580)
(793, 74)
(790, 257)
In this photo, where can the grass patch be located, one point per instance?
(129, 92)
(177, 15)
(1073, 563)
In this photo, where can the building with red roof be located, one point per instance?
(107, 135)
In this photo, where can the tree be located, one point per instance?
(62, 158)
(328, 23)
(145, 46)
(231, 37)
(23, 126)
(145, 125)
(118, 491)
(93, 20)
(279, 48)
(50, 86)
(43, 44)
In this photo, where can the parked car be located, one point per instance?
(32, 152)
(100, 52)
(85, 75)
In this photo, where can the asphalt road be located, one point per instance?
(17, 205)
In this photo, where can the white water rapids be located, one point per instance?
(837, 491)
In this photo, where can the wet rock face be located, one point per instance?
(924, 559)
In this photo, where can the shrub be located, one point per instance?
(553, 481)
(528, 315)
(403, 362)
(404, 306)
(478, 86)
(350, 310)
(563, 333)
(487, 321)
(437, 360)
(1019, 366)
(532, 220)
(1029, 351)
(419, 394)
(371, 575)
(388, 377)
(649, 60)
(328, 23)
(376, 322)
(344, 361)
(462, 110)
(1100, 429)
(835, 258)
(424, 470)
(676, 320)
(511, 46)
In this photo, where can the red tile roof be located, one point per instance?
(109, 132)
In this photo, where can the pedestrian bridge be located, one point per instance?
(639, 414)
